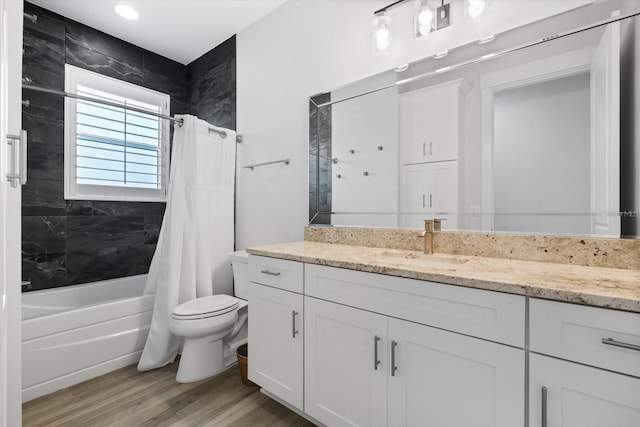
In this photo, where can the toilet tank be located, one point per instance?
(239, 260)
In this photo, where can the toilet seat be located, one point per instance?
(200, 308)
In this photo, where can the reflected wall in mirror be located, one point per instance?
(521, 135)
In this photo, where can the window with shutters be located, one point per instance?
(113, 152)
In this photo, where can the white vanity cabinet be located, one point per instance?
(372, 367)
(440, 378)
(276, 327)
(430, 123)
(346, 365)
(584, 367)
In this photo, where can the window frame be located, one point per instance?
(75, 77)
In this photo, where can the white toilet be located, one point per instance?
(205, 322)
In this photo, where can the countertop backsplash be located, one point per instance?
(594, 252)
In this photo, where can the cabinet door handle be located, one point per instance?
(424, 149)
(394, 368)
(611, 341)
(424, 200)
(543, 414)
(376, 361)
(294, 331)
(430, 200)
(270, 273)
(431, 148)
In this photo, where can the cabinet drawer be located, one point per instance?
(279, 273)
(484, 314)
(576, 332)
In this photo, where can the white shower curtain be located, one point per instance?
(197, 234)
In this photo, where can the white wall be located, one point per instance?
(310, 46)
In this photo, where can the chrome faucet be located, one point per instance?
(430, 226)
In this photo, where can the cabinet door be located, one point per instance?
(275, 342)
(446, 379)
(429, 189)
(429, 122)
(417, 123)
(345, 385)
(581, 396)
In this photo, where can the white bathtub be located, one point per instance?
(76, 333)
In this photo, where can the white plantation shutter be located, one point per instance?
(112, 153)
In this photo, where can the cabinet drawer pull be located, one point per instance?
(294, 331)
(543, 414)
(394, 368)
(611, 341)
(270, 273)
(376, 362)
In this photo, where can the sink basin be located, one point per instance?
(420, 259)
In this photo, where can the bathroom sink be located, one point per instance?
(420, 259)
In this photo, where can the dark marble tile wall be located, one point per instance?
(320, 164)
(211, 84)
(69, 242)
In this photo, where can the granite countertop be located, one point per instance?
(595, 286)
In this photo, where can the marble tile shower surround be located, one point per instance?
(69, 242)
(211, 85)
(593, 252)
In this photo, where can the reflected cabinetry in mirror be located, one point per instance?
(522, 135)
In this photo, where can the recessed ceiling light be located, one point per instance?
(487, 39)
(401, 68)
(127, 12)
(441, 55)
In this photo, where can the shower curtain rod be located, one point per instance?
(172, 119)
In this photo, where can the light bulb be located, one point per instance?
(382, 34)
(425, 17)
(475, 8)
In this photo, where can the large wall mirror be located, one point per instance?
(533, 132)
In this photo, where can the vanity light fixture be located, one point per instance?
(127, 12)
(428, 16)
(475, 8)
(382, 35)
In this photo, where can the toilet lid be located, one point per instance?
(206, 306)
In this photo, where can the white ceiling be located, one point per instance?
(182, 30)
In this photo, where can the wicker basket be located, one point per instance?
(243, 361)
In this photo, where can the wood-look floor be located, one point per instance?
(129, 398)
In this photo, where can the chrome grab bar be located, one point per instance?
(252, 167)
